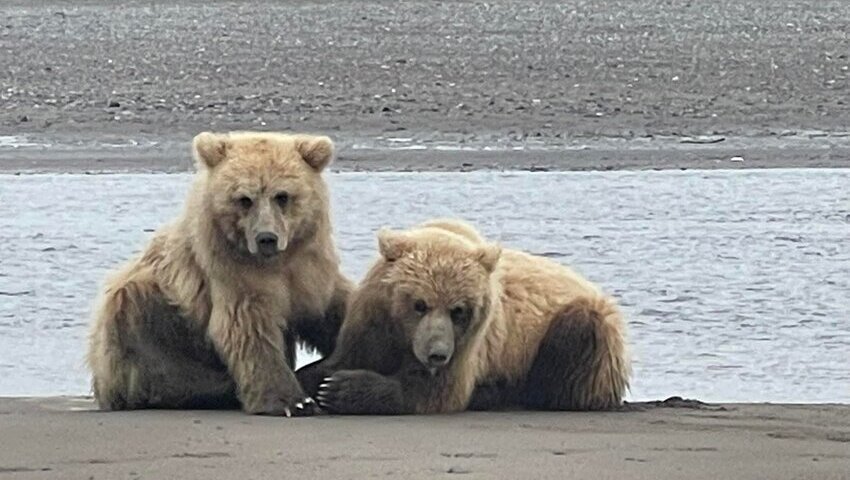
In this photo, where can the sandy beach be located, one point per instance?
(64, 438)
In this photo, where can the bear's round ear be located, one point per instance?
(317, 151)
(488, 256)
(210, 148)
(393, 244)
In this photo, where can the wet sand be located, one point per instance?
(607, 84)
(64, 438)
(174, 156)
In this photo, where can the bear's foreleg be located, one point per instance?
(321, 333)
(311, 375)
(251, 344)
(410, 389)
(363, 392)
(366, 341)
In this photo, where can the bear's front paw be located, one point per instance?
(303, 408)
(307, 408)
(359, 392)
(346, 391)
(283, 406)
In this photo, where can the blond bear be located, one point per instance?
(208, 315)
(445, 321)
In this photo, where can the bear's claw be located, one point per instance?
(306, 403)
(305, 408)
(341, 392)
(325, 395)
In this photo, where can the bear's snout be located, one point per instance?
(439, 353)
(434, 341)
(267, 243)
(439, 356)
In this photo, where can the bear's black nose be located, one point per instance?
(267, 242)
(438, 359)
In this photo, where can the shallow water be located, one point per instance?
(736, 285)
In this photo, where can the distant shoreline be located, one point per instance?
(151, 154)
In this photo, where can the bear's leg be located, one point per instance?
(365, 342)
(143, 354)
(581, 363)
(356, 351)
(111, 357)
(365, 392)
(494, 396)
(362, 392)
(291, 350)
(250, 342)
(174, 380)
(178, 366)
(311, 375)
(321, 333)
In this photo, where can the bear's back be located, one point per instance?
(454, 228)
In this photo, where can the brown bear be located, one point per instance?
(445, 321)
(209, 313)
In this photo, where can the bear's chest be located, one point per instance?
(308, 292)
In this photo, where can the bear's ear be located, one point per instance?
(488, 256)
(392, 244)
(210, 148)
(316, 151)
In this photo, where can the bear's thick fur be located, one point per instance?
(445, 321)
(209, 313)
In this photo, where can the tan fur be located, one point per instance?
(459, 228)
(240, 305)
(519, 296)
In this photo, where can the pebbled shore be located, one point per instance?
(594, 84)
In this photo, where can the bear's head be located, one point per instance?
(442, 289)
(263, 191)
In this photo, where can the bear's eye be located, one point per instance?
(420, 307)
(460, 315)
(282, 199)
(245, 202)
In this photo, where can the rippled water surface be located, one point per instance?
(736, 284)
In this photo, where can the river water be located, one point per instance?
(736, 285)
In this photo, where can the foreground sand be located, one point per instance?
(64, 438)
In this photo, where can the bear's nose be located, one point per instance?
(267, 241)
(438, 359)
